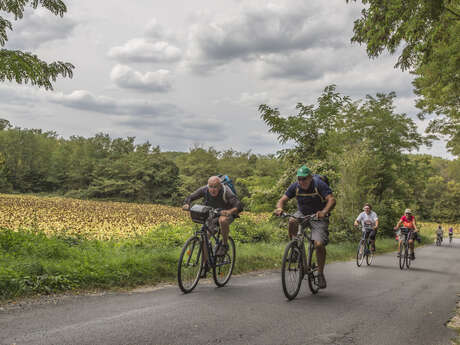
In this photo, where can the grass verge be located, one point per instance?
(32, 263)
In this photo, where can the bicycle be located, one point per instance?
(364, 249)
(296, 262)
(438, 240)
(404, 256)
(450, 238)
(191, 263)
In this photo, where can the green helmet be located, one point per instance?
(303, 171)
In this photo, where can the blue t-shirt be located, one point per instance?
(309, 204)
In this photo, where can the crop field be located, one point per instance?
(92, 219)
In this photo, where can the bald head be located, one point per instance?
(214, 185)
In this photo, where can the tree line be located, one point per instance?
(363, 146)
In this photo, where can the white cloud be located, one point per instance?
(145, 50)
(126, 77)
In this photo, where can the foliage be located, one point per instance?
(25, 67)
(429, 32)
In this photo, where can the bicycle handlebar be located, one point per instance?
(308, 217)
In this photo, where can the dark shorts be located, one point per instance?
(213, 224)
(370, 233)
(319, 229)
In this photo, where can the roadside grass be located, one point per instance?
(33, 263)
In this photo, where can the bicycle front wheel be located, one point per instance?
(370, 257)
(402, 255)
(222, 271)
(312, 269)
(360, 253)
(190, 263)
(408, 260)
(292, 270)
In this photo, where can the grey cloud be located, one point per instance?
(268, 29)
(163, 119)
(38, 27)
(126, 77)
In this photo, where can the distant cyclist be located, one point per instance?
(439, 232)
(313, 197)
(451, 234)
(408, 221)
(368, 220)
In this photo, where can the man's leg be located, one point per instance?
(293, 227)
(224, 223)
(320, 235)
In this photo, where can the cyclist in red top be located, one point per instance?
(408, 221)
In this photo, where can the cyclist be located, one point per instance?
(439, 232)
(368, 219)
(313, 197)
(217, 195)
(451, 234)
(408, 221)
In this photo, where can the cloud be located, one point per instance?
(286, 27)
(162, 119)
(145, 50)
(38, 27)
(128, 78)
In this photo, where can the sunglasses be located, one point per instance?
(216, 186)
(302, 178)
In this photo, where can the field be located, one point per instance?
(94, 220)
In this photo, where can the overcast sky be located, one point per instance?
(180, 73)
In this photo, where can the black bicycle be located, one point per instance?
(297, 263)
(364, 249)
(404, 256)
(191, 261)
(450, 238)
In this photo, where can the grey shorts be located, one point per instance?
(213, 223)
(319, 229)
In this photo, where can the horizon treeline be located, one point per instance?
(362, 146)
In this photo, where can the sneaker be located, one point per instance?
(321, 281)
(412, 256)
(222, 250)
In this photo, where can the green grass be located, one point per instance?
(31, 263)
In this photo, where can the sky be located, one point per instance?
(185, 73)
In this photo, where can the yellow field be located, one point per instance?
(90, 219)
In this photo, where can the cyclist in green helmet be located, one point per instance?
(313, 197)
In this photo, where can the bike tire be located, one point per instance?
(360, 253)
(292, 270)
(370, 257)
(401, 255)
(312, 270)
(407, 257)
(223, 268)
(190, 264)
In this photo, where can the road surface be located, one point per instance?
(373, 305)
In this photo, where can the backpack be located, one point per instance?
(227, 181)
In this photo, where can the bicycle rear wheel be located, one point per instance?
(222, 271)
(190, 263)
(312, 269)
(402, 255)
(360, 253)
(292, 270)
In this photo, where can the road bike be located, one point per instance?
(404, 256)
(191, 260)
(364, 249)
(297, 263)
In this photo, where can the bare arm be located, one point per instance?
(280, 204)
(329, 206)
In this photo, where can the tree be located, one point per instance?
(429, 33)
(25, 67)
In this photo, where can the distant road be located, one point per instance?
(374, 305)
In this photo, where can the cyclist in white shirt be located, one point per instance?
(369, 222)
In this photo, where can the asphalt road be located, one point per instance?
(369, 305)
